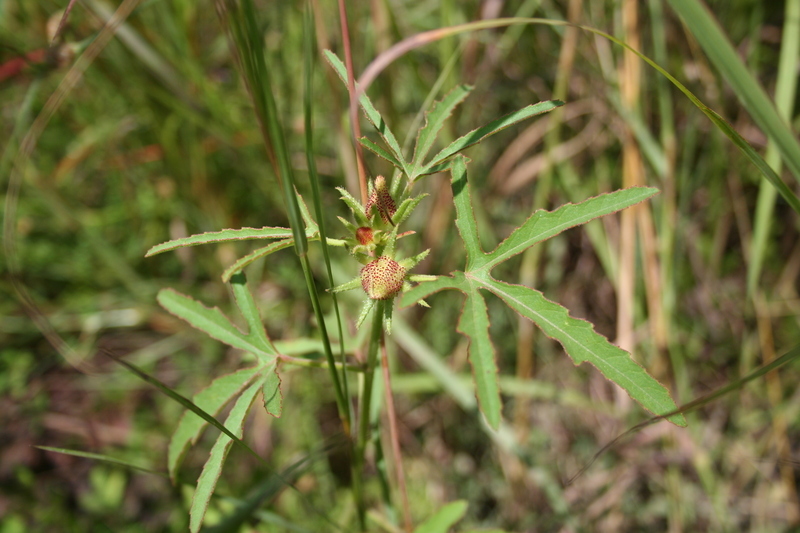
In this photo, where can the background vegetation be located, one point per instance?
(158, 141)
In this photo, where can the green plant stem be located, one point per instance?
(241, 20)
(310, 363)
(308, 54)
(785, 90)
(375, 337)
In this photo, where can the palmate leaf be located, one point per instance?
(578, 337)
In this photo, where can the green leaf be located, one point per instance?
(221, 236)
(213, 467)
(405, 209)
(253, 256)
(273, 397)
(426, 288)
(185, 402)
(355, 206)
(477, 135)
(465, 218)
(543, 225)
(211, 400)
(434, 121)
(370, 112)
(474, 324)
(213, 322)
(100, 457)
(380, 152)
(583, 344)
(247, 306)
(444, 519)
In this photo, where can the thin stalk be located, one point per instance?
(308, 74)
(351, 90)
(785, 90)
(241, 19)
(310, 363)
(375, 340)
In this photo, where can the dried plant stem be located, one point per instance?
(631, 176)
(393, 435)
(779, 425)
(351, 89)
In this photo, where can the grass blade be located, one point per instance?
(100, 457)
(717, 46)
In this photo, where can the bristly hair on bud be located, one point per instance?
(382, 278)
(382, 200)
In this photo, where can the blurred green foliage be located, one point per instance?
(158, 141)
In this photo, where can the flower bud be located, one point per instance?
(364, 235)
(382, 278)
(381, 200)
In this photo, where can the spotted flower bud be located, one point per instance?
(381, 200)
(364, 235)
(382, 278)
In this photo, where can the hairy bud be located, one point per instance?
(382, 278)
(381, 200)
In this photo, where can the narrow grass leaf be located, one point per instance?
(704, 27)
(434, 121)
(273, 397)
(479, 134)
(211, 400)
(583, 344)
(221, 236)
(100, 457)
(185, 402)
(543, 225)
(309, 54)
(372, 114)
(213, 467)
(213, 322)
(444, 518)
(433, 364)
